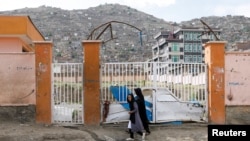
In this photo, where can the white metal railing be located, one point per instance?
(187, 82)
(67, 93)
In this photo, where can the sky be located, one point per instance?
(168, 10)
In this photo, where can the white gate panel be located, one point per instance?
(169, 108)
(67, 98)
(187, 83)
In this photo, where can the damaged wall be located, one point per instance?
(237, 87)
(21, 114)
(17, 83)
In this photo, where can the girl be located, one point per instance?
(136, 123)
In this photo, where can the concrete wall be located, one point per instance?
(21, 114)
(17, 67)
(237, 78)
(237, 87)
(17, 79)
(238, 114)
(10, 45)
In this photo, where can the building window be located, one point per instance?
(186, 47)
(186, 58)
(190, 47)
(175, 47)
(181, 49)
(181, 57)
(195, 48)
(185, 36)
(175, 58)
(212, 37)
(195, 59)
(188, 36)
(199, 48)
(190, 58)
(199, 36)
(199, 59)
(195, 36)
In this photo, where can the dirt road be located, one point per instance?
(15, 131)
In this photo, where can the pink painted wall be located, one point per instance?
(10, 44)
(237, 79)
(17, 79)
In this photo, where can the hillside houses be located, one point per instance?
(67, 28)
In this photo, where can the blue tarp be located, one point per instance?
(120, 94)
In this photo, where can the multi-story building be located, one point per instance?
(183, 45)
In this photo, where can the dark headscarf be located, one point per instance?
(138, 92)
(131, 103)
(131, 106)
(141, 106)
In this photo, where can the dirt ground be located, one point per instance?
(30, 131)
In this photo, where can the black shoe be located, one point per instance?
(148, 132)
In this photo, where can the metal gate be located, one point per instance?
(67, 93)
(172, 91)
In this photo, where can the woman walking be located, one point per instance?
(136, 123)
(142, 109)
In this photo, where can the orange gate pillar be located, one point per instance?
(214, 58)
(43, 51)
(91, 100)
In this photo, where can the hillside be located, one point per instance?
(67, 28)
(234, 28)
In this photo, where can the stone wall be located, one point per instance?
(237, 114)
(18, 113)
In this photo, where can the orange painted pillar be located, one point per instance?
(91, 100)
(43, 51)
(215, 59)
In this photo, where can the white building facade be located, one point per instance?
(184, 45)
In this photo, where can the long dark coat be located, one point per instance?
(142, 108)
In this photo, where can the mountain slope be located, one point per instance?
(67, 28)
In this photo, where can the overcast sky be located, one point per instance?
(169, 10)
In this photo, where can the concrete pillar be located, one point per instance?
(43, 51)
(91, 100)
(215, 59)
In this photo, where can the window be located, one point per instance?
(211, 37)
(194, 47)
(195, 36)
(190, 58)
(175, 47)
(186, 47)
(189, 36)
(199, 59)
(194, 58)
(190, 47)
(181, 57)
(199, 35)
(181, 49)
(186, 58)
(175, 58)
(199, 48)
(185, 36)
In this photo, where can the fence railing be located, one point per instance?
(67, 99)
(186, 81)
